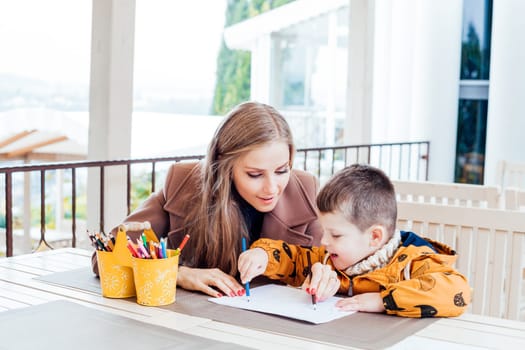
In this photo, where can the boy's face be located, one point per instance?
(346, 244)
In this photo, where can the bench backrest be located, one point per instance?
(465, 195)
(490, 245)
(514, 198)
(511, 174)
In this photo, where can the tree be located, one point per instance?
(233, 66)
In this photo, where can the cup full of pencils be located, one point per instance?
(155, 271)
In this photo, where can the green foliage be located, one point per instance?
(233, 66)
(141, 189)
(80, 208)
(471, 55)
(49, 218)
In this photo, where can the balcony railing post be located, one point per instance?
(101, 228)
(9, 214)
(74, 207)
(128, 186)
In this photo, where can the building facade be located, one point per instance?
(445, 71)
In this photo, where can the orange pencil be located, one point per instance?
(152, 250)
(110, 244)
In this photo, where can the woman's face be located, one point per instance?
(261, 175)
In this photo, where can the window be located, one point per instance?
(473, 94)
(309, 80)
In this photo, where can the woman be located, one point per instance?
(244, 188)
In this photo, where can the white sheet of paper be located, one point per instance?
(286, 301)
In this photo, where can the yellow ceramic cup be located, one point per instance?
(116, 281)
(156, 279)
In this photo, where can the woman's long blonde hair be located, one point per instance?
(214, 219)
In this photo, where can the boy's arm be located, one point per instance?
(441, 291)
(287, 262)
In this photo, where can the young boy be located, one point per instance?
(379, 268)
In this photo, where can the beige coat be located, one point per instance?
(294, 219)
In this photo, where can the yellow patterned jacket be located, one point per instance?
(419, 280)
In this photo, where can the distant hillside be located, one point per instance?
(22, 92)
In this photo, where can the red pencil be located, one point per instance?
(132, 249)
(183, 243)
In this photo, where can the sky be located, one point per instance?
(176, 41)
(176, 48)
(32, 32)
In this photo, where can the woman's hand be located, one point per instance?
(367, 302)
(204, 279)
(252, 263)
(323, 283)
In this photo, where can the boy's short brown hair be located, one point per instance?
(363, 194)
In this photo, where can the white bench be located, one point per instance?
(511, 174)
(489, 243)
(514, 199)
(465, 195)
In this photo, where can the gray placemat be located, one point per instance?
(362, 330)
(82, 278)
(64, 325)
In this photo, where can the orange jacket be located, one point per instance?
(417, 282)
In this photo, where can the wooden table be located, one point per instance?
(19, 289)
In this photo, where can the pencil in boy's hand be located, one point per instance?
(247, 284)
(314, 302)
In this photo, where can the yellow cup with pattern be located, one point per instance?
(116, 281)
(156, 279)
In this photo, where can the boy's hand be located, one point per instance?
(324, 282)
(252, 263)
(368, 302)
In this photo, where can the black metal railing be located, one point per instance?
(401, 161)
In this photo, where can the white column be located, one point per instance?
(330, 81)
(261, 69)
(360, 71)
(435, 89)
(416, 77)
(380, 103)
(111, 97)
(506, 110)
(399, 63)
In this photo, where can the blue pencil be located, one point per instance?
(247, 284)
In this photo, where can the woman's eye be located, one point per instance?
(253, 175)
(283, 171)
